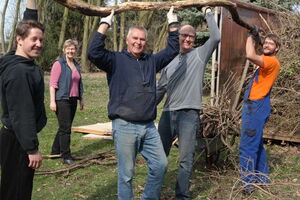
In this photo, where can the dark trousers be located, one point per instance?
(65, 112)
(16, 176)
(183, 124)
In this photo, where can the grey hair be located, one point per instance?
(138, 28)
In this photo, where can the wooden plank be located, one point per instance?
(94, 136)
(285, 138)
(98, 129)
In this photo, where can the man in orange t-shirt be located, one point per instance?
(256, 111)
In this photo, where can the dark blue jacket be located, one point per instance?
(132, 82)
(65, 80)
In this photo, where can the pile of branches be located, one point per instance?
(285, 116)
(220, 119)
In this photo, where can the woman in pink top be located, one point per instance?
(66, 89)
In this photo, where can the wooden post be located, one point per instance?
(213, 69)
(239, 90)
(219, 58)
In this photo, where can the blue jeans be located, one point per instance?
(130, 139)
(183, 124)
(253, 157)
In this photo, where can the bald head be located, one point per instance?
(187, 28)
(186, 38)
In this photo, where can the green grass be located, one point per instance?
(100, 182)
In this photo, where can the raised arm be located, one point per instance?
(31, 11)
(97, 53)
(31, 4)
(172, 20)
(105, 23)
(251, 54)
(164, 57)
(214, 35)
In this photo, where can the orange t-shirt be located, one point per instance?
(266, 77)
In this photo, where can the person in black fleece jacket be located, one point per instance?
(23, 111)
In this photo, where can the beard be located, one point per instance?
(270, 53)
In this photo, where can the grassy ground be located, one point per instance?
(100, 181)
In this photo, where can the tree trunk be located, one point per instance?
(42, 10)
(63, 29)
(85, 39)
(91, 10)
(145, 18)
(122, 32)
(2, 27)
(95, 23)
(122, 29)
(115, 30)
(12, 35)
(160, 42)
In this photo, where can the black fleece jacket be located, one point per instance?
(22, 96)
(22, 99)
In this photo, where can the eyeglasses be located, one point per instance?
(187, 35)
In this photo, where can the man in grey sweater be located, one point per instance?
(182, 80)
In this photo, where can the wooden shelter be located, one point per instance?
(230, 59)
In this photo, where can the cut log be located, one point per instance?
(91, 10)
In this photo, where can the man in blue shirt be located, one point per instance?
(131, 78)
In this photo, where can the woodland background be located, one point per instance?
(62, 23)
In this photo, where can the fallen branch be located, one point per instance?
(92, 10)
(87, 161)
(246, 184)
